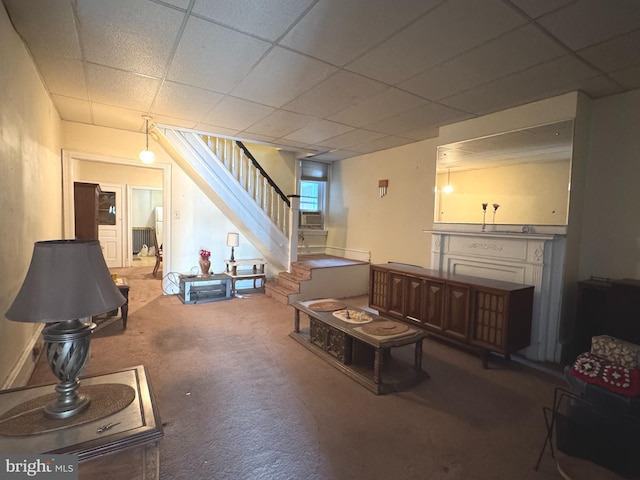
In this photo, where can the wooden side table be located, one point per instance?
(123, 286)
(250, 269)
(129, 447)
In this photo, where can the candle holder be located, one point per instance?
(484, 215)
(495, 209)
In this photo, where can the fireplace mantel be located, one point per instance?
(529, 258)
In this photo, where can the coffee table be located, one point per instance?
(364, 357)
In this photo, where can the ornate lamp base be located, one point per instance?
(67, 345)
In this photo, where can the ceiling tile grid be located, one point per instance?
(330, 78)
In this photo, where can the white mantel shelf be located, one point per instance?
(527, 258)
(517, 235)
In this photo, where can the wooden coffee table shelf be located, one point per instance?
(365, 358)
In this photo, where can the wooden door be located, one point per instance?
(110, 221)
(378, 289)
(489, 319)
(85, 206)
(456, 315)
(434, 301)
(396, 293)
(414, 298)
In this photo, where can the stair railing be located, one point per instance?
(239, 161)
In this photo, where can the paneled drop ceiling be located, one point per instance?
(332, 78)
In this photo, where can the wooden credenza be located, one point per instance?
(487, 315)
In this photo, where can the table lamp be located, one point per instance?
(233, 240)
(68, 282)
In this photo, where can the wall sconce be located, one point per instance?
(383, 185)
(233, 240)
(147, 156)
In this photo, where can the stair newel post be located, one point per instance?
(294, 210)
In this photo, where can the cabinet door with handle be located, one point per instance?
(456, 311)
(434, 302)
(414, 298)
(396, 293)
(379, 289)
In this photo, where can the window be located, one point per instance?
(311, 196)
(313, 185)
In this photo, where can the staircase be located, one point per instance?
(227, 173)
(320, 276)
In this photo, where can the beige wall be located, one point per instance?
(391, 228)
(280, 165)
(30, 193)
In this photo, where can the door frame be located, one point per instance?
(69, 157)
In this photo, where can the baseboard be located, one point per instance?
(21, 372)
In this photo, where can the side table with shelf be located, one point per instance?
(204, 288)
(247, 269)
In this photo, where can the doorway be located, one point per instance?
(79, 165)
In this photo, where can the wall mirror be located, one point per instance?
(522, 176)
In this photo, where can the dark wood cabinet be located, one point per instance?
(86, 205)
(605, 307)
(486, 314)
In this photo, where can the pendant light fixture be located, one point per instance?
(448, 188)
(147, 155)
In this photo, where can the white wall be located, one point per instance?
(611, 224)
(195, 223)
(30, 193)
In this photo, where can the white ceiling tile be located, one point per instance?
(72, 109)
(383, 105)
(351, 138)
(237, 113)
(133, 35)
(182, 4)
(383, 143)
(450, 29)
(213, 57)
(431, 114)
(48, 26)
(63, 76)
(338, 31)
(628, 78)
(596, 87)
(268, 20)
(116, 117)
(266, 83)
(616, 54)
(158, 119)
(588, 22)
(509, 53)
(121, 89)
(216, 130)
(318, 131)
(537, 8)
(334, 156)
(280, 123)
(184, 101)
(522, 87)
(340, 91)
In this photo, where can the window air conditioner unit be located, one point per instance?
(310, 219)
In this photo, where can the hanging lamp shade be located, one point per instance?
(146, 155)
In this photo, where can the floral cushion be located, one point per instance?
(616, 351)
(598, 370)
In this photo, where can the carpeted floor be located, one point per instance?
(240, 399)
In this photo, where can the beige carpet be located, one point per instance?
(240, 399)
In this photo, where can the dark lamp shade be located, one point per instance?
(67, 280)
